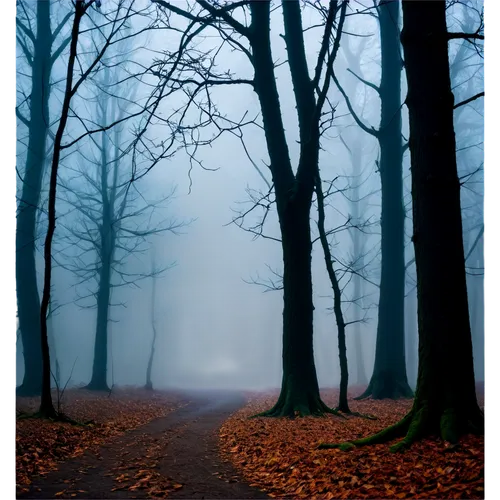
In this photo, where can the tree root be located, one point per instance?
(388, 434)
(450, 425)
(356, 414)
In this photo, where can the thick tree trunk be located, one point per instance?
(389, 378)
(299, 389)
(445, 396)
(28, 299)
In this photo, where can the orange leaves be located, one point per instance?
(280, 456)
(42, 444)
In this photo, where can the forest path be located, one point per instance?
(178, 449)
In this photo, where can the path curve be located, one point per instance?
(182, 446)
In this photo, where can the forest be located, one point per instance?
(249, 249)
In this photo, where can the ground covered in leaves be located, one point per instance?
(41, 444)
(280, 457)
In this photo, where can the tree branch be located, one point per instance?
(466, 36)
(368, 130)
(366, 82)
(470, 99)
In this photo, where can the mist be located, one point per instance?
(218, 308)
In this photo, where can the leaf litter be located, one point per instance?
(42, 444)
(280, 456)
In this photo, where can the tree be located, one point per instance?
(389, 378)
(38, 48)
(293, 190)
(445, 400)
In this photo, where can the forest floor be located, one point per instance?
(143, 445)
(279, 456)
(202, 445)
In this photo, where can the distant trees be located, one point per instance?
(389, 378)
(114, 219)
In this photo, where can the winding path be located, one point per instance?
(181, 447)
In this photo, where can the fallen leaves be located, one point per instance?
(280, 457)
(42, 444)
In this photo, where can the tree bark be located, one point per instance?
(389, 378)
(28, 299)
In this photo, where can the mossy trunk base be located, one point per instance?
(297, 402)
(387, 387)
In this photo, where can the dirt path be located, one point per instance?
(178, 452)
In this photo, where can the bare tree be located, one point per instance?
(114, 220)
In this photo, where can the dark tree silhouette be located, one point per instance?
(445, 399)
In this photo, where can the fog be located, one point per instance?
(219, 325)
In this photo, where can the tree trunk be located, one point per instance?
(299, 388)
(343, 405)
(28, 299)
(149, 383)
(389, 378)
(445, 398)
(107, 249)
(359, 259)
(99, 381)
(411, 337)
